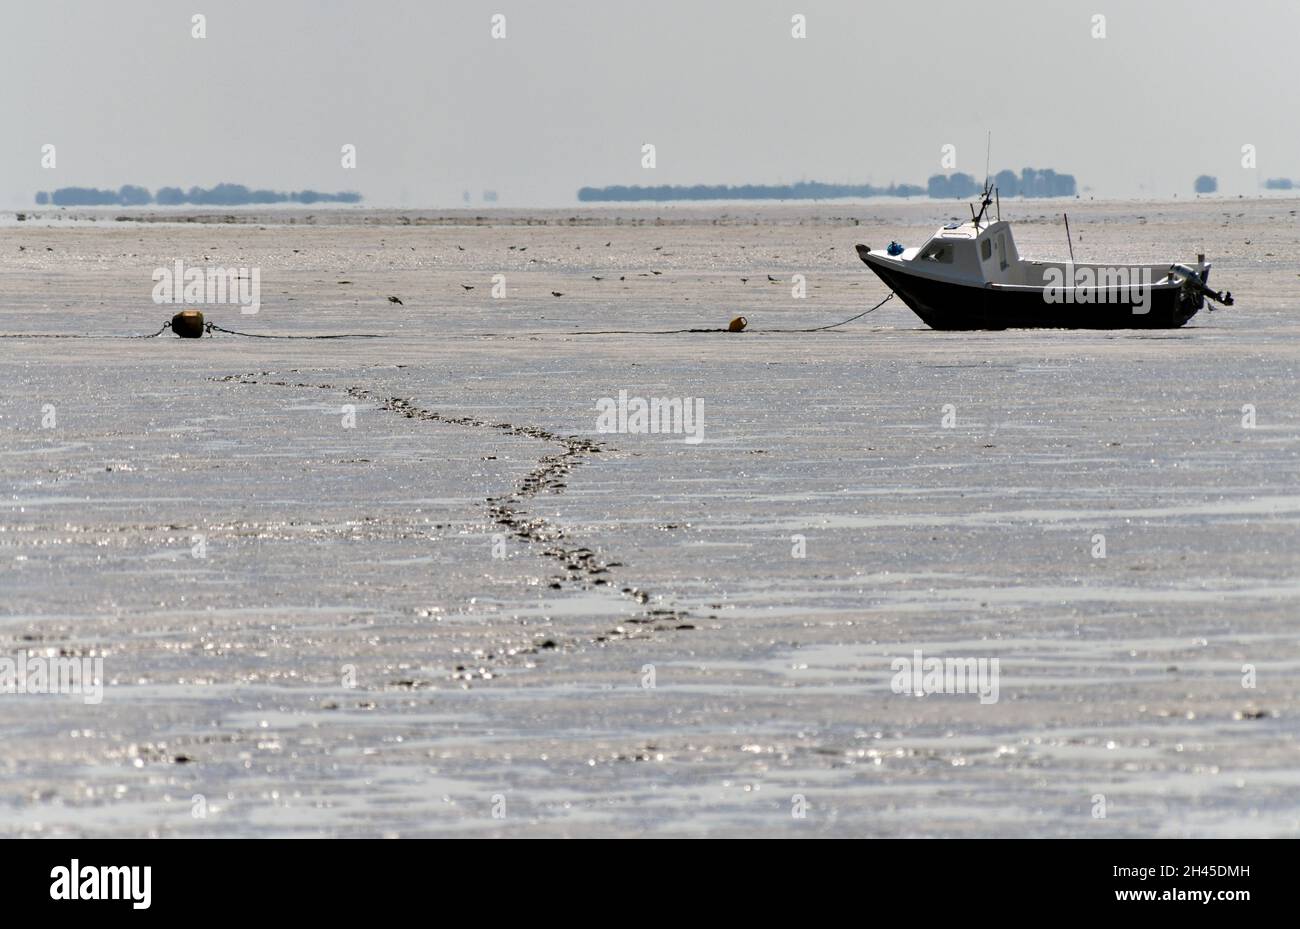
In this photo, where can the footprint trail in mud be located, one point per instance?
(581, 566)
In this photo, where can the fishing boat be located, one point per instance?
(969, 275)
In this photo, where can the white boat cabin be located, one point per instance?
(986, 255)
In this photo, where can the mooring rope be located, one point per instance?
(208, 327)
(842, 322)
(617, 332)
(82, 335)
(213, 327)
(888, 297)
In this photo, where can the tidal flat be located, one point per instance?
(404, 586)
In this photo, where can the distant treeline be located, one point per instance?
(221, 195)
(1029, 183)
(804, 190)
(1208, 185)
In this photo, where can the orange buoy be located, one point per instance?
(738, 324)
(188, 324)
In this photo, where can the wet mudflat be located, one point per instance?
(403, 586)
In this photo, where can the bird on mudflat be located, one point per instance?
(397, 300)
(468, 286)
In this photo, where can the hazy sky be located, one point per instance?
(436, 106)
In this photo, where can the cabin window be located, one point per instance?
(986, 249)
(937, 251)
(1002, 251)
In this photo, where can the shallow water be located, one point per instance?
(349, 657)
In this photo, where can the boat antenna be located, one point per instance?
(986, 198)
(1068, 240)
(988, 150)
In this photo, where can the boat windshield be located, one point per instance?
(937, 251)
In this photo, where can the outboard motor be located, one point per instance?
(1197, 281)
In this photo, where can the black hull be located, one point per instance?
(951, 306)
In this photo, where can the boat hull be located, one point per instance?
(955, 306)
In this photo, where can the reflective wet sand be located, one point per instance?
(403, 586)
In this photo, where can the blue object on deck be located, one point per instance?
(894, 249)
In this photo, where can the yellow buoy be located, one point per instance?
(188, 324)
(738, 324)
